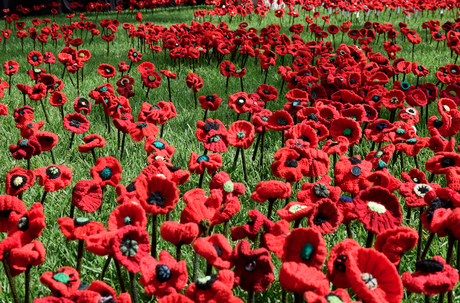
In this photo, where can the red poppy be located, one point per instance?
(63, 283)
(339, 147)
(26, 148)
(125, 123)
(87, 195)
(58, 99)
(107, 171)
(9, 205)
(251, 229)
(288, 166)
(79, 228)
(141, 129)
(179, 234)
(129, 213)
(157, 195)
(267, 92)
(253, 268)
(351, 174)
(211, 102)
(130, 245)
(91, 142)
(34, 58)
(240, 102)
(339, 260)
(82, 105)
(300, 278)
(151, 79)
(280, 121)
(373, 278)
(198, 164)
(134, 56)
(272, 189)
(216, 250)
(394, 243)
(47, 140)
(194, 82)
(18, 180)
(11, 67)
(29, 128)
(305, 245)
(37, 92)
(22, 258)
(54, 177)
(227, 68)
(123, 67)
(76, 123)
(153, 145)
(442, 162)
(241, 134)
(106, 70)
(346, 127)
(169, 74)
(312, 193)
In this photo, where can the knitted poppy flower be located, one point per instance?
(54, 177)
(280, 121)
(240, 102)
(151, 79)
(107, 171)
(373, 278)
(26, 148)
(169, 74)
(163, 277)
(11, 67)
(267, 92)
(300, 278)
(272, 189)
(318, 160)
(432, 277)
(339, 147)
(378, 209)
(87, 195)
(314, 192)
(351, 174)
(157, 195)
(23, 113)
(305, 245)
(79, 228)
(153, 145)
(144, 67)
(18, 180)
(295, 211)
(31, 254)
(82, 104)
(441, 162)
(287, 165)
(227, 68)
(63, 283)
(9, 205)
(134, 55)
(338, 294)
(241, 134)
(129, 213)
(211, 102)
(130, 245)
(91, 142)
(346, 127)
(142, 129)
(253, 268)
(325, 217)
(58, 99)
(216, 250)
(76, 123)
(37, 92)
(381, 177)
(106, 70)
(303, 135)
(179, 234)
(29, 128)
(339, 260)
(394, 243)
(440, 202)
(34, 58)
(194, 82)
(379, 130)
(198, 164)
(99, 291)
(25, 227)
(251, 229)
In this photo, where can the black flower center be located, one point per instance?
(80, 222)
(163, 273)
(381, 126)
(312, 117)
(320, 218)
(53, 172)
(282, 121)
(75, 123)
(241, 101)
(129, 247)
(436, 204)
(18, 181)
(142, 125)
(208, 126)
(320, 190)
(447, 162)
(429, 266)
(210, 98)
(250, 265)
(339, 263)
(291, 163)
(218, 250)
(354, 160)
(205, 282)
(105, 174)
(23, 223)
(156, 198)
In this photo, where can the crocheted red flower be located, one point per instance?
(394, 243)
(313, 192)
(169, 74)
(163, 277)
(134, 56)
(179, 234)
(213, 288)
(373, 278)
(339, 294)
(142, 129)
(440, 202)
(351, 174)
(151, 79)
(18, 180)
(441, 162)
(198, 164)
(82, 104)
(267, 92)
(280, 121)
(339, 260)
(432, 277)
(240, 102)
(87, 195)
(227, 68)
(54, 177)
(129, 213)
(318, 160)
(302, 135)
(157, 195)
(9, 205)
(99, 291)
(287, 165)
(107, 171)
(346, 127)
(106, 70)
(253, 268)
(130, 245)
(63, 283)
(325, 216)
(379, 130)
(26, 226)
(21, 258)
(211, 102)
(299, 278)
(34, 58)
(381, 157)
(272, 189)
(241, 134)
(144, 67)
(153, 145)
(339, 147)
(222, 182)
(79, 228)
(414, 192)
(11, 67)
(378, 209)
(76, 123)
(23, 113)
(250, 230)
(194, 82)
(216, 250)
(29, 128)
(26, 148)
(305, 245)
(91, 142)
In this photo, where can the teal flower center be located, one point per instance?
(202, 158)
(306, 252)
(240, 135)
(106, 173)
(61, 277)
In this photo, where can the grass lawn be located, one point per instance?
(180, 132)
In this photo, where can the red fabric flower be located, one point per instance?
(346, 127)
(129, 213)
(267, 92)
(216, 250)
(394, 243)
(280, 121)
(106, 70)
(163, 277)
(153, 145)
(91, 142)
(82, 104)
(18, 180)
(63, 283)
(300, 278)
(79, 228)
(76, 123)
(287, 165)
(87, 195)
(251, 229)
(9, 205)
(34, 58)
(339, 260)
(142, 129)
(240, 102)
(107, 171)
(198, 164)
(21, 258)
(130, 245)
(26, 148)
(151, 79)
(157, 195)
(194, 82)
(11, 67)
(211, 102)
(179, 234)
(54, 177)
(305, 245)
(272, 189)
(241, 134)
(313, 192)
(351, 174)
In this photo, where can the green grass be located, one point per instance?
(179, 132)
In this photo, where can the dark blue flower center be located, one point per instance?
(163, 273)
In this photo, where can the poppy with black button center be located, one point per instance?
(106, 70)
(76, 123)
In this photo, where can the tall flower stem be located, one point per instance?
(71, 140)
(44, 197)
(370, 239)
(153, 251)
(80, 255)
(196, 263)
(6, 267)
(27, 286)
(420, 234)
(271, 201)
(427, 246)
(244, 164)
(106, 266)
(120, 276)
(44, 110)
(178, 252)
(134, 295)
(122, 146)
(200, 183)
